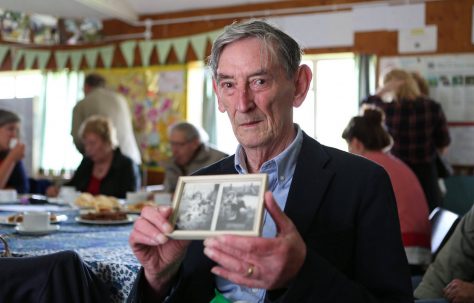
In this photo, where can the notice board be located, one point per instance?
(451, 81)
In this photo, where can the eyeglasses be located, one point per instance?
(179, 144)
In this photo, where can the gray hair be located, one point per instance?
(190, 131)
(284, 48)
(7, 117)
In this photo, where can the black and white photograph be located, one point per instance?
(206, 206)
(197, 206)
(237, 207)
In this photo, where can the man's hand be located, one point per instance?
(267, 263)
(159, 256)
(458, 291)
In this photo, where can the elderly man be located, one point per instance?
(104, 102)
(189, 154)
(330, 232)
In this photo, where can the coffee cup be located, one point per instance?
(68, 194)
(8, 195)
(162, 198)
(135, 197)
(36, 220)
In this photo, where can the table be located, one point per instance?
(103, 247)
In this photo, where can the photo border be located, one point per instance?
(262, 179)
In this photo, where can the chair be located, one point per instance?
(443, 223)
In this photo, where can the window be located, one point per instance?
(54, 94)
(332, 99)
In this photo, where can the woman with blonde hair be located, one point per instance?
(104, 169)
(418, 127)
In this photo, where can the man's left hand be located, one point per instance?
(458, 291)
(256, 262)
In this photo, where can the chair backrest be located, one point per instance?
(443, 223)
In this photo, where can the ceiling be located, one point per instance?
(121, 9)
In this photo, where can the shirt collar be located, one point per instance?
(285, 162)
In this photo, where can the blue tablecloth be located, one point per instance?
(103, 247)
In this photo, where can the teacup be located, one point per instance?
(36, 220)
(68, 194)
(8, 195)
(135, 197)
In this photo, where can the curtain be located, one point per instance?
(61, 91)
(365, 71)
(209, 109)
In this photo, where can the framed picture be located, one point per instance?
(205, 206)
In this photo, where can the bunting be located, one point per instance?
(127, 48)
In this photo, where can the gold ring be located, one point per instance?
(250, 271)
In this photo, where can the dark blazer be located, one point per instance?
(344, 208)
(122, 176)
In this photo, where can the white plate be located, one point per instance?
(4, 220)
(130, 219)
(35, 232)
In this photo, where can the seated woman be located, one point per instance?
(366, 136)
(104, 169)
(12, 171)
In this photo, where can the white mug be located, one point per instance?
(135, 197)
(36, 220)
(68, 194)
(8, 195)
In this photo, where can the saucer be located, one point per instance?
(36, 232)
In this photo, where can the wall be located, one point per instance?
(452, 17)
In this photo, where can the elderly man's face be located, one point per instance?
(182, 148)
(256, 94)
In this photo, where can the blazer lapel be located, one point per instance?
(310, 182)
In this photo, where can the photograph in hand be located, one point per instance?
(225, 204)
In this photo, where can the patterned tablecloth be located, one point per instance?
(103, 247)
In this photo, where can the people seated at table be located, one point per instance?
(12, 171)
(330, 231)
(366, 136)
(418, 127)
(189, 153)
(451, 275)
(104, 169)
(53, 278)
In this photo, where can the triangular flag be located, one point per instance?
(30, 57)
(180, 47)
(61, 59)
(199, 43)
(3, 52)
(128, 51)
(42, 58)
(107, 54)
(76, 58)
(91, 57)
(16, 54)
(145, 51)
(163, 49)
(214, 34)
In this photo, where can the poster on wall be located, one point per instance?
(451, 83)
(157, 99)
